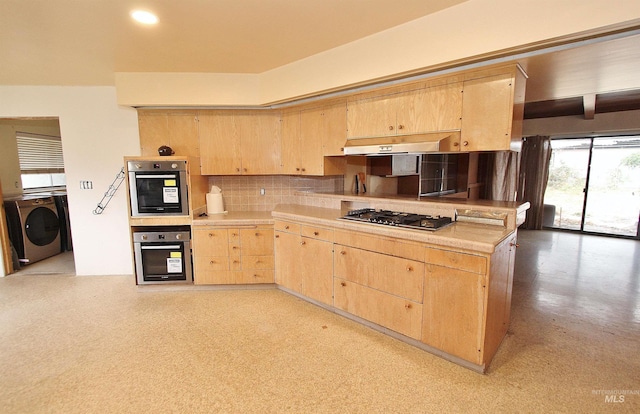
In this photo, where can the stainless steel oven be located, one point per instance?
(158, 188)
(162, 256)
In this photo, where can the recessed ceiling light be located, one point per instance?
(144, 17)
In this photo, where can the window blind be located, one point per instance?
(39, 153)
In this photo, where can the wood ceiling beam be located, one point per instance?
(589, 104)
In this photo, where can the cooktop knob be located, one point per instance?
(178, 236)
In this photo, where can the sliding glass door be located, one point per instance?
(594, 185)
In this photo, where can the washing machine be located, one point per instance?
(34, 228)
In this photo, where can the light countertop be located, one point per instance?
(469, 236)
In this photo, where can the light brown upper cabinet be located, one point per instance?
(311, 138)
(492, 112)
(240, 142)
(176, 129)
(422, 110)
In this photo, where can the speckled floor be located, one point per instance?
(99, 345)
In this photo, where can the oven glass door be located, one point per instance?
(164, 261)
(159, 193)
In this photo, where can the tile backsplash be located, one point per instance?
(243, 193)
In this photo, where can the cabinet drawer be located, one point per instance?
(254, 276)
(257, 262)
(398, 314)
(456, 260)
(218, 277)
(287, 226)
(319, 233)
(211, 263)
(381, 244)
(394, 275)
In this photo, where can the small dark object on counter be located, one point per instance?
(203, 215)
(165, 151)
(357, 184)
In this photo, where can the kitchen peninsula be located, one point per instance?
(446, 291)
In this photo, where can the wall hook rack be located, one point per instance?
(111, 191)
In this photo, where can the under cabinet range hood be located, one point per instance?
(403, 144)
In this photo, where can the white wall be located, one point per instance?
(96, 135)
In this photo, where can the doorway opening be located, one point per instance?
(594, 185)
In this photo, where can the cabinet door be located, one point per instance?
(394, 275)
(210, 242)
(219, 143)
(453, 312)
(317, 269)
(259, 133)
(179, 130)
(487, 111)
(335, 129)
(371, 117)
(432, 109)
(311, 136)
(287, 260)
(290, 143)
(256, 242)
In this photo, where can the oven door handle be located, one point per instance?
(163, 247)
(156, 176)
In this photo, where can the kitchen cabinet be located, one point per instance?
(492, 112)
(425, 109)
(176, 129)
(233, 255)
(304, 260)
(312, 140)
(240, 142)
(467, 301)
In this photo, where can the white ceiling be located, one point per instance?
(84, 42)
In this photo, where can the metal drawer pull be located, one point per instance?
(343, 284)
(315, 233)
(342, 252)
(408, 306)
(409, 268)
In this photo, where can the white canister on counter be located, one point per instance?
(215, 205)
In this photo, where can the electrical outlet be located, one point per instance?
(86, 185)
(262, 192)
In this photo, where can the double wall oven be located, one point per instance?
(159, 188)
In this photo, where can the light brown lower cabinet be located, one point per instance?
(304, 260)
(233, 256)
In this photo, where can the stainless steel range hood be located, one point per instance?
(403, 144)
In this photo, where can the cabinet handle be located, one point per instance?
(400, 126)
(235, 247)
(390, 127)
(297, 169)
(303, 243)
(342, 252)
(244, 169)
(256, 276)
(257, 234)
(277, 236)
(237, 169)
(315, 233)
(303, 170)
(286, 227)
(455, 144)
(236, 262)
(210, 234)
(258, 261)
(343, 284)
(212, 262)
(409, 268)
(516, 245)
(465, 143)
(408, 306)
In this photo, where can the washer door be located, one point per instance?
(42, 226)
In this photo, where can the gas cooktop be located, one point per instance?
(398, 219)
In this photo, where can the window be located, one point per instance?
(594, 185)
(41, 161)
